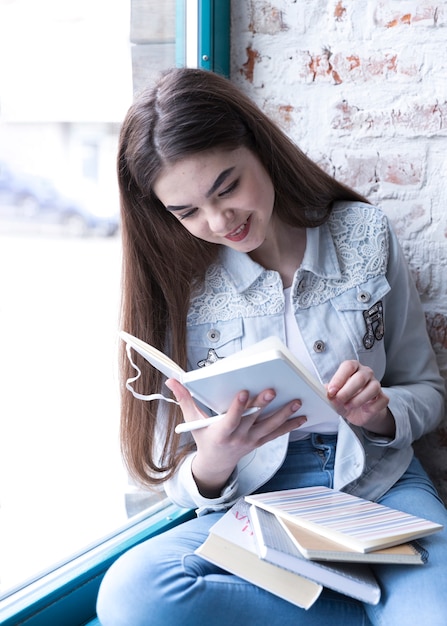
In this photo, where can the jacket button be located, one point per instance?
(363, 296)
(319, 346)
(213, 335)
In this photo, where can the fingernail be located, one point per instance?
(296, 406)
(243, 397)
(269, 396)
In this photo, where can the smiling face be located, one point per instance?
(220, 196)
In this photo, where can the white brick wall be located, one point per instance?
(361, 86)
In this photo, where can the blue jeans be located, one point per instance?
(162, 581)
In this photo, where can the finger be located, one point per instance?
(233, 415)
(346, 370)
(188, 406)
(281, 421)
(359, 377)
(264, 398)
(370, 402)
(363, 389)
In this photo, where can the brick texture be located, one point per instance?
(362, 88)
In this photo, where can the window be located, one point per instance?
(65, 84)
(67, 71)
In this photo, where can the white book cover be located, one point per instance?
(231, 546)
(268, 363)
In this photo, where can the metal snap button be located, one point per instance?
(213, 335)
(363, 296)
(319, 346)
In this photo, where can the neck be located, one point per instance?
(282, 251)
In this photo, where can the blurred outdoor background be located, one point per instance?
(65, 86)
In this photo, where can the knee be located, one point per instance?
(132, 588)
(142, 586)
(154, 579)
(118, 592)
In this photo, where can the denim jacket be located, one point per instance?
(353, 298)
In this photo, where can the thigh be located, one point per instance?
(162, 581)
(413, 595)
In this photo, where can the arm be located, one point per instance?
(412, 379)
(409, 400)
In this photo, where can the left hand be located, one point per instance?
(357, 395)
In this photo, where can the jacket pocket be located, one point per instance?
(361, 311)
(210, 342)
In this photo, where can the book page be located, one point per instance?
(155, 357)
(317, 547)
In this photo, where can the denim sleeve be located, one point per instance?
(412, 379)
(182, 490)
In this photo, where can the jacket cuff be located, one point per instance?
(184, 485)
(383, 440)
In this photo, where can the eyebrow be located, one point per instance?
(219, 180)
(217, 183)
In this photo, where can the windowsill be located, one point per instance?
(67, 594)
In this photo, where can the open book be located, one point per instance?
(266, 364)
(349, 520)
(275, 546)
(231, 545)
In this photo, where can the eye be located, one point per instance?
(187, 214)
(229, 189)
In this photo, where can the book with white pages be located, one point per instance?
(342, 517)
(266, 364)
(231, 545)
(315, 547)
(274, 545)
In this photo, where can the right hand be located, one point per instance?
(221, 445)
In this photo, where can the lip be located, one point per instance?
(239, 233)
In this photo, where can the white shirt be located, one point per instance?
(295, 343)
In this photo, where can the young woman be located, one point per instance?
(232, 234)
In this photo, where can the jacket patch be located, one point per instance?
(375, 328)
(210, 359)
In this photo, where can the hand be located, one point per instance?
(357, 395)
(221, 445)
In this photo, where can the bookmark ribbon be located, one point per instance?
(141, 396)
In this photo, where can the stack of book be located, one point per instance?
(294, 543)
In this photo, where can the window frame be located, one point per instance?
(66, 594)
(213, 34)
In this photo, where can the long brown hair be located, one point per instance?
(186, 112)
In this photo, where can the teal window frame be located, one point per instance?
(214, 36)
(213, 45)
(67, 594)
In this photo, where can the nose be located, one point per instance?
(219, 220)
